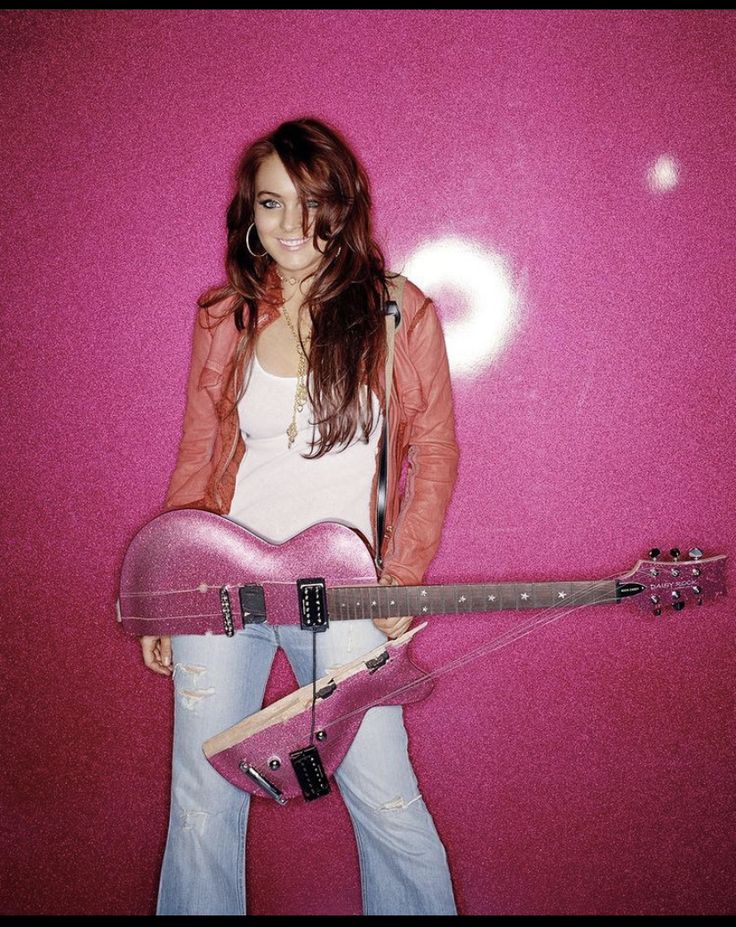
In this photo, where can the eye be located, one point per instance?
(268, 204)
(312, 204)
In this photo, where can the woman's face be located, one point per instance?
(278, 218)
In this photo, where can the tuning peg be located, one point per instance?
(654, 553)
(675, 553)
(678, 603)
(695, 554)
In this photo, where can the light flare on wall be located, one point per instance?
(460, 267)
(663, 175)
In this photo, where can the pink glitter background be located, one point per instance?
(588, 769)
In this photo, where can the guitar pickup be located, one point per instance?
(310, 773)
(312, 604)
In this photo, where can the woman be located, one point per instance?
(283, 429)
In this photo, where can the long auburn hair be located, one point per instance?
(347, 293)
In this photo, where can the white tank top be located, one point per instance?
(279, 493)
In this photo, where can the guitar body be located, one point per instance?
(172, 582)
(264, 741)
(178, 563)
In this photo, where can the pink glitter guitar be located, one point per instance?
(193, 572)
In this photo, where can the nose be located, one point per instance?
(291, 217)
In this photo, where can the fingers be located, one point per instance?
(393, 627)
(157, 654)
(165, 651)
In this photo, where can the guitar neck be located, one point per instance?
(352, 602)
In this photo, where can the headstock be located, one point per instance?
(676, 583)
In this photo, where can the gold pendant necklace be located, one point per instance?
(300, 397)
(292, 281)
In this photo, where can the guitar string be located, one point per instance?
(206, 587)
(531, 624)
(503, 640)
(375, 589)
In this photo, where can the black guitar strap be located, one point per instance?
(393, 320)
(307, 762)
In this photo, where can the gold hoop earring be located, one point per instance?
(247, 243)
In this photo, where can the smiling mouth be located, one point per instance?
(292, 243)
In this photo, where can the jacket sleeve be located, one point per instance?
(195, 457)
(432, 454)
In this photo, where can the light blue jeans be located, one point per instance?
(218, 681)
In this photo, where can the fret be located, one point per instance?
(393, 604)
(491, 599)
(568, 594)
(551, 594)
(389, 597)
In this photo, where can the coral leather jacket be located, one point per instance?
(421, 432)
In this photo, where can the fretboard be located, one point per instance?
(351, 602)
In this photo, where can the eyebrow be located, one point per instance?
(279, 196)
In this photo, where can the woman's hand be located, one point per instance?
(391, 627)
(157, 654)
